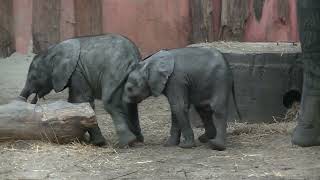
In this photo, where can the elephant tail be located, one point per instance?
(235, 101)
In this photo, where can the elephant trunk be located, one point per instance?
(25, 93)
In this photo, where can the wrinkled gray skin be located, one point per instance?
(93, 67)
(186, 76)
(307, 131)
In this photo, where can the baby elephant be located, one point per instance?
(186, 76)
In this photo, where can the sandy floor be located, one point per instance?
(257, 151)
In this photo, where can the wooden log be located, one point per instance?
(59, 122)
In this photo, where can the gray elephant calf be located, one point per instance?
(187, 76)
(93, 67)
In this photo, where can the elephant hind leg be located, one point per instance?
(120, 117)
(96, 137)
(219, 117)
(219, 108)
(210, 129)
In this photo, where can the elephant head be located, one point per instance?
(51, 70)
(149, 77)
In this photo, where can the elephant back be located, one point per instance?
(106, 61)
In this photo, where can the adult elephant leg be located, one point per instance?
(80, 92)
(210, 129)
(307, 132)
(134, 123)
(119, 114)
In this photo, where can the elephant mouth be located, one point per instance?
(132, 100)
(25, 99)
(139, 100)
(21, 98)
(39, 95)
(126, 99)
(25, 94)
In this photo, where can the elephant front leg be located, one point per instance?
(175, 133)
(180, 112)
(134, 123)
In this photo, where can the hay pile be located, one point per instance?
(292, 113)
(282, 125)
(261, 129)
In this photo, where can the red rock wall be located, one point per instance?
(152, 24)
(67, 19)
(155, 24)
(278, 22)
(22, 13)
(45, 23)
(256, 20)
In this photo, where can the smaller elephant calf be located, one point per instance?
(187, 76)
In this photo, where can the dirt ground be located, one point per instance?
(255, 151)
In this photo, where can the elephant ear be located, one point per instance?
(64, 58)
(159, 68)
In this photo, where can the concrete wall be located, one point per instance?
(156, 24)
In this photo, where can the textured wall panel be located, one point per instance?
(45, 23)
(6, 28)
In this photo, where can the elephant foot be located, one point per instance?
(140, 138)
(307, 131)
(127, 140)
(203, 138)
(101, 141)
(138, 142)
(217, 145)
(304, 137)
(96, 137)
(187, 144)
(172, 141)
